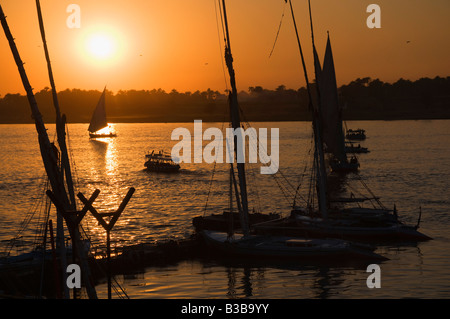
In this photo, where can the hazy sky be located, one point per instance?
(174, 44)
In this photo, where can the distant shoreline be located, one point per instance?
(360, 100)
(268, 121)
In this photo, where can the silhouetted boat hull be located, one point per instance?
(350, 148)
(283, 247)
(160, 162)
(94, 135)
(344, 167)
(358, 134)
(222, 221)
(318, 228)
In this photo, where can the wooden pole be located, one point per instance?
(73, 220)
(108, 256)
(55, 264)
(108, 226)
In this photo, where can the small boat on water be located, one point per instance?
(350, 147)
(99, 123)
(100, 135)
(160, 162)
(344, 166)
(358, 134)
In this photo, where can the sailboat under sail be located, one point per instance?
(99, 120)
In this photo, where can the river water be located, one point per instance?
(408, 165)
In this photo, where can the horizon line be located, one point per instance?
(216, 90)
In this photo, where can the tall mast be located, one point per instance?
(65, 171)
(60, 120)
(63, 152)
(236, 124)
(318, 154)
(49, 152)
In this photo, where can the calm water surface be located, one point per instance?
(409, 166)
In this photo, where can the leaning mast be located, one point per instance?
(319, 157)
(236, 124)
(49, 152)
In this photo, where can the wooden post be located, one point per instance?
(73, 220)
(55, 265)
(108, 256)
(107, 226)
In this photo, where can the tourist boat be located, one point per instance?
(350, 147)
(344, 166)
(358, 134)
(160, 162)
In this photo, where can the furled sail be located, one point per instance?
(98, 120)
(333, 135)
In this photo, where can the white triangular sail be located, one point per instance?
(98, 120)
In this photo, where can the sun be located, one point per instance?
(102, 46)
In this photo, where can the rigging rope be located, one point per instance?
(28, 218)
(220, 42)
(246, 122)
(211, 181)
(71, 158)
(304, 173)
(286, 192)
(278, 32)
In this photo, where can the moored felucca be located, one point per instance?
(328, 220)
(246, 244)
(57, 166)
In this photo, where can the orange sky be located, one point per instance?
(174, 44)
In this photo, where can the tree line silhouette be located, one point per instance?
(361, 99)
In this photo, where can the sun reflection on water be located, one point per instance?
(104, 174)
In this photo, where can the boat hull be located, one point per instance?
(93, 135)
(344, 167)
(390, 233)
(286, 248)
(163, 168)
(356, 137)
(222, 221)
(356, 150)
